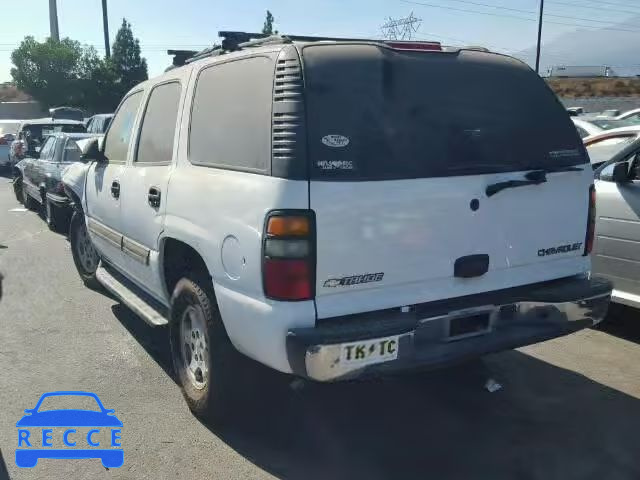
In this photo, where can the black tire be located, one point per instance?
(228, 378)
(17, 188)
(56, 218)
(28, 202)
(77, 230)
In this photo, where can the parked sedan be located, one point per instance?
(617, 244)
(98, 124)
(37, 181)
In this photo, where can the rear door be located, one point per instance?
(403, 146)
(144, 187)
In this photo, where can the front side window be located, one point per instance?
(159, 125)
(116, 144)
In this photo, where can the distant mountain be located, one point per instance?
(617, 49)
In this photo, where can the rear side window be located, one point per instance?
(72, 152)
(375, 114)
(116, 143)
(231, 115)
(48, 147)
(159, 125)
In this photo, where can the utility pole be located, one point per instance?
(53, 21)
(539, 37)
(105, 26)
(401, 28)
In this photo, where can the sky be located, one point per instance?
(507, 26)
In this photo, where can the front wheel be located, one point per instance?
(84, 254)
(211, 372)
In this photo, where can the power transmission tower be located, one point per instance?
(401, 28)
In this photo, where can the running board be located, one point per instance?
(150, 310)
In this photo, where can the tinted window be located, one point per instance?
(231, 115)
(48, 147)
(39, 131)
(375, 113)
(116, 143)
(72, 152)
(159, 124)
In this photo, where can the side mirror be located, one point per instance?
(620, 172)
(90, 149)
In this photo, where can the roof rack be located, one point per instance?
(235, 40)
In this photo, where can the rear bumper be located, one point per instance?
(516, 317)
(60, 201)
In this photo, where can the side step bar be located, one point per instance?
(150, 310)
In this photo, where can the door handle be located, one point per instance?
(115, 189)
(154, 197)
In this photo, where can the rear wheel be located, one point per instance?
(17, 188)
(213, 375)
(54, 216)
(84, 254)
(28, 202)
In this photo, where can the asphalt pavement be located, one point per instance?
(569, 408)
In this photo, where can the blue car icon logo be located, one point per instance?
(30, 448)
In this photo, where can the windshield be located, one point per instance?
(609, 123)
(411, 115)
(66, 402)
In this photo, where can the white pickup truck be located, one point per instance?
(334, 209)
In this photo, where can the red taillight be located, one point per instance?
(289, 255)
(3, 140)
(423, 46)
(591, 221)
(287, 279)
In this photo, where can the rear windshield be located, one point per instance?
(39, 131)
(378, 114)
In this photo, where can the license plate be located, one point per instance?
(368, 352)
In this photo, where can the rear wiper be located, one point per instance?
(534, 177)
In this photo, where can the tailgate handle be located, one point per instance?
(471, 266)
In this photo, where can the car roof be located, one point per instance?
(614, 132)
(50, 121)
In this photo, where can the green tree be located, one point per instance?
(129, 67)
(49, 71)
(268, 24)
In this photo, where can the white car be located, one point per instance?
(8, 132)
(333, 209)
(632, 115)
(602, 146)
(586, 128)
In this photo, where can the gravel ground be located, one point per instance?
(569, 408)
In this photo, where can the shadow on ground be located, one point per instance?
(622, 322)
(4, 474)
(546, 423)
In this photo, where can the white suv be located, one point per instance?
(339, 208)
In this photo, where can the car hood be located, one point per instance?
(69, 418)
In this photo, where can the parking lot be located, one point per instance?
(569, 408)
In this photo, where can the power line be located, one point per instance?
(612, 3)
(531, 12)
(515, 17)
(592, 7)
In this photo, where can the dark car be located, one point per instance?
(37, 178)
(98, 124)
